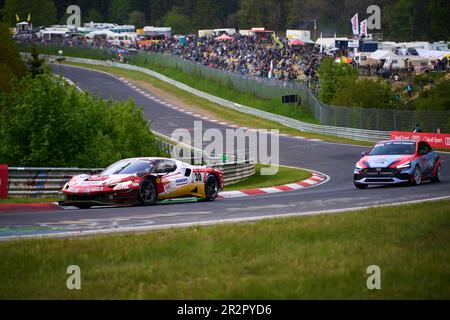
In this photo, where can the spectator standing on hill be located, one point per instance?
(417, 128)
(410, 89)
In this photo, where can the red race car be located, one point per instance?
(143, 181)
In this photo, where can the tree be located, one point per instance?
(119, 10)
(180, 23)
(439, 25)
(270, 14)
(35, 63)
(205, 15)
(11, 64)
(94, 16)
(137, 19)
(399, 18)
(45, 122)
(42, 12)
(363, 93)
(159, 11)
(330, 74)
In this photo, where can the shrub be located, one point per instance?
(363, 93)
(330, 75)
(45, 122)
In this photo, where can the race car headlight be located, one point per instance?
(404, 166)
(358, 166)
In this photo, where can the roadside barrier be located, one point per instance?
(48, 182)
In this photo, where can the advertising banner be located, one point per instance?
(355, 25)
(363, 27)
(436, 140)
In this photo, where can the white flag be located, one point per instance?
(355, 24)
(271, 69)
(363, 27)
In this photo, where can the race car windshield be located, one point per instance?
(128, 167)
(393, 148)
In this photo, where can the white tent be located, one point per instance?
(328, 43)
(382, 55)
(432, 54)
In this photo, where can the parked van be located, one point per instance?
(397, 63)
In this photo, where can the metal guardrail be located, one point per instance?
(48, 182)
(343, 132)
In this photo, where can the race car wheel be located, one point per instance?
(417, 176)
(211, 188)
(437, 176)
(147, 192)
(361, 186)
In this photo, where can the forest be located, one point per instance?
(401, 20)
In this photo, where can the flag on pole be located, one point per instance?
(17, 18)
(271, 69)
(363, 27)
(321, 47)
(355, 25)
(29, 17)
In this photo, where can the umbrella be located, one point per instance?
(224, 37)
(343, 60)
(297, 42)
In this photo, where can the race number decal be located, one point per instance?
(198, 177)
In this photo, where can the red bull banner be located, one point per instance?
(436, 140)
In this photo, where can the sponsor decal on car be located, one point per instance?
(181, 181)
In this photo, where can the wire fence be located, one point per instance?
(350, 117)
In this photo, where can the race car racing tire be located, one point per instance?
(83, 206)
(437, 176)
(416, 177)
(360, 185)
(147, 192)
(211, 187)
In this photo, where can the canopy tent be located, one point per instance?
(382, 55)
(328, 42)
(223, 37)
(433, 54)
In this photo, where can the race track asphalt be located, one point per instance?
(335, 160)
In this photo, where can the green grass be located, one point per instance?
(95, 54)
(316, 257)
(30, 200)
(219, 111)
(284, 175)
(228, 92)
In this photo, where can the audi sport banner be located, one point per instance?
(436, 140)
(355, 25)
